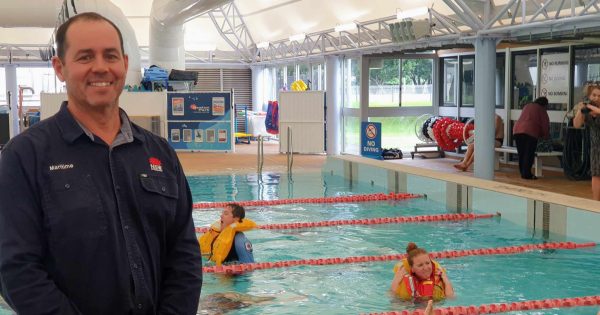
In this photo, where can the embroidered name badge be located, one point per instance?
(59, 167)
(155, 164)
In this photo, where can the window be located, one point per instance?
(351, 135)
(467, 84)
(384, 82)
(587, 68)
(449, 74)
(524, 66)
(291, 76)
(400, 82)
(280, 79)
(304, 73)
(2, 87)
(397, 132)
(316, 83)
(416, 82)
(351, 79)
(38, 80)
(500, 76)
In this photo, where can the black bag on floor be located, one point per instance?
(391, 154)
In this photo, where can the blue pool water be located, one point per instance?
(363, 287)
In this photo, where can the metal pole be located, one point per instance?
(260, 155)
(290, 154)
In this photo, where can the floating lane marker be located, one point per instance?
(361, 259)
(339, 199)
(372, 221)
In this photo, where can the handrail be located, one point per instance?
(290, 148)
(261, 154)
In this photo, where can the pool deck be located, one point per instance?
(553, 187)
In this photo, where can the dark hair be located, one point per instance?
(412, 250)
(237, 211)
(543, 101)
(61, 33)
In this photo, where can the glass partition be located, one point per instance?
(524, 69)
(448, 80)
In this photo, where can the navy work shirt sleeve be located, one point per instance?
(182, 280)
(25, 283)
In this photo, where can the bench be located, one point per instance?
(537, 162)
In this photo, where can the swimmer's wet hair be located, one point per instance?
(237, 210)
(412, 250)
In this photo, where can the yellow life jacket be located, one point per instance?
(411, 287)
(217, 243)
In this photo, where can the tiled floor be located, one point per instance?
(244, 160)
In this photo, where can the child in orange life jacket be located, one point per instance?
(225, 241)
(419, 278)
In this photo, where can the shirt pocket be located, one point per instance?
(73, 209)
(159, 197)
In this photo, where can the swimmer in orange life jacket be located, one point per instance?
(419, 278)
(225, 241)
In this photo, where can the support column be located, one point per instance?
(11, 86)
(485, 70)
(333, 100)
(258, 88)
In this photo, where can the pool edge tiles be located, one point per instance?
(528, 207)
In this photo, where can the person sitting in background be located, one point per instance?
(419, 278)
(533, 124)
(470, 156)
(225, 242)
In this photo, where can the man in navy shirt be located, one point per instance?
(95, 212)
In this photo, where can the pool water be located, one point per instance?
(363, 287)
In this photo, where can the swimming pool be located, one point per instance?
(363, 287)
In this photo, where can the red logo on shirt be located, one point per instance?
(155, 164)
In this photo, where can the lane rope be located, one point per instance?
(338, 199)
(360, 259)
(494, 308)
(371, 221)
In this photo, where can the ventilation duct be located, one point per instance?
(166, 29)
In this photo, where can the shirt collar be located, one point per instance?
(71, 129)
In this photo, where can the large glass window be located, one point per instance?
(400, 82)
(449, 79)
(384, 82)
(586, 69)
(397, 132)
(500, 77)
(304, 73)
(36, 81)
(291, 75)
(280, 79)
(524, 69)
(315, 82)
(467, 84)
(351, 82)
(351, 135)
(416, 82)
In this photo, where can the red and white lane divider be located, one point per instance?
(506, 307)
(372, 221)
(360, 259)
(340, 199)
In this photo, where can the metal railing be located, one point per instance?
(261, 154)
(290, 148)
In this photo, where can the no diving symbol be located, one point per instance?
(371, 131)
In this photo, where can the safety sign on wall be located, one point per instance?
(370, 140)
(554, 83)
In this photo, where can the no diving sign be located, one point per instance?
(370, 144)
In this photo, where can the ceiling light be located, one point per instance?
(345, 27)
(405, 14)
(298, 37)
(263, 45)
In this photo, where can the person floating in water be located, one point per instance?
(225, 242)
(419, 278)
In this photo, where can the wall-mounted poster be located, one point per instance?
(222, 135)
(187, 135)
(175, 135)
(210, 135)
(200, 121)
(199, 135)
(178, 108)
(218, 106)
